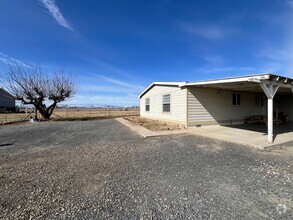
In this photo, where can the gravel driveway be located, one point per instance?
(102, 170)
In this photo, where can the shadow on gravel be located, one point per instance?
(4, 145)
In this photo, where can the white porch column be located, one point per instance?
(270, 90)
(270, 120)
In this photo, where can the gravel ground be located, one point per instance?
(102, 170)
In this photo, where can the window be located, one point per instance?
(259, 100)
(147, 104)
(236, 99)
(166, 103)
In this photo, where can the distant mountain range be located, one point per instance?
(93, 106)
(83, 106)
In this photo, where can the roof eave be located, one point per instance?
(231, 80)
(178, 84)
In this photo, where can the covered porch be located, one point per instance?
(247, 134)
(277, 108)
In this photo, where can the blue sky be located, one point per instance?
(115, 48)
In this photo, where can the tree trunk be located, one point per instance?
(46, 112)
(36, 113)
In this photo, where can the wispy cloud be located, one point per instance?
(105, 89)
(9, 60)
(225, 70)
(53, 9)
(289, 4)
(213, 58)
(107, 67)
(278, 58)
(104, 100)
(120, 83)
(210, 32)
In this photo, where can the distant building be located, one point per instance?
(7, 101)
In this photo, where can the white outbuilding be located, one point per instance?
(227, 101)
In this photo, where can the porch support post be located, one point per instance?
(270, 90)
(270, 120)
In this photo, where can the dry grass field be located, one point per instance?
(72, 114)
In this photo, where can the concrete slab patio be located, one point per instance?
(250, 135)
(253, 135)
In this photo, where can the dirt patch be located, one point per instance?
(153, 125)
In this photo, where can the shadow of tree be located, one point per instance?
(4, 145)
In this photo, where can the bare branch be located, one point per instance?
(32, 86)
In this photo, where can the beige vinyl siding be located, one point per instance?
(177, 100)
(205, 106)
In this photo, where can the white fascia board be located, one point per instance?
(284, 85)
(231, 80)
(161, 84)
(144, 91)
(278, 83)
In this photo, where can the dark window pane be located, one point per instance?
(166, 103)
(147, 104)
(259, 100)
(166, 99)
(236, 99)
(166, 107)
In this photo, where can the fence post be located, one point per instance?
(65, 112)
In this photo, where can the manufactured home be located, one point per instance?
(227, 101)
(7, 101)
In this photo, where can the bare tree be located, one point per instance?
(32, 86)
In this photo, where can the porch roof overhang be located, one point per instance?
(249, 83)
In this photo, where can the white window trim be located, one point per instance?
(165, 112)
